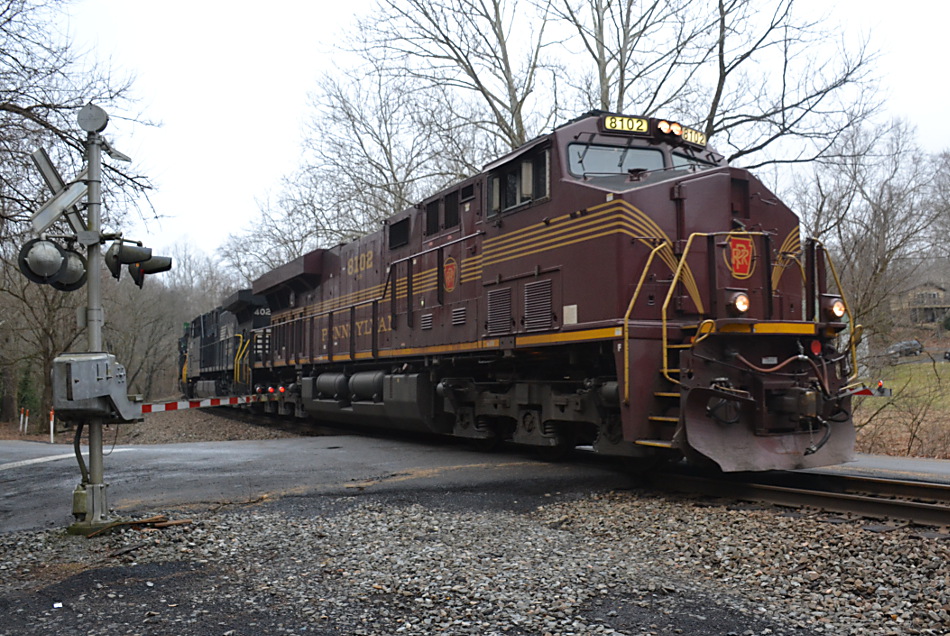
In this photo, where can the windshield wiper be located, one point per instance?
(623, 155)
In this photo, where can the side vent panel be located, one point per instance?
(537, 306)
(459, 316)
(499, 311)
(426, 321)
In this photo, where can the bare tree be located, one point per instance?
(875, 205)
(44, 81)
(635, 47)
(198, 280)
(374, 147)
(750, 74)
(489, 51)
(43, 84)
(775, 93)
(376, 141)
(142, 332)
(39, 323)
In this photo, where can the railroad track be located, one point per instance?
(918, 502)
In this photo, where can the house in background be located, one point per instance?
(923, 304)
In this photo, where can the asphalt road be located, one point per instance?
(38, 479)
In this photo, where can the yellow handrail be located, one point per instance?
(847, 310)
(669, 294)
(244, 345)
(626, 325)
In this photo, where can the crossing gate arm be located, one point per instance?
(160, 407)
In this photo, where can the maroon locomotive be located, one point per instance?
(613, 283)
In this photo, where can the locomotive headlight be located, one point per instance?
(834, 307)
(670, 128)
(837, 308)
(740, 302)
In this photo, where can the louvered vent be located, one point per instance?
(458, 316)
(426, 321)
(499, 311)
(537, 306)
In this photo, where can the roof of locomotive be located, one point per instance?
(305, 272)
(306, 269)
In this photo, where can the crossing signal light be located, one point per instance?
(41, 260)
(120, 253)
(73, 275)
(46, 262)
(154, 265)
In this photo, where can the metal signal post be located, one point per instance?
(93, 492)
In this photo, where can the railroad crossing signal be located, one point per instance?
(89, 387)
(57, 185)
(44, 261)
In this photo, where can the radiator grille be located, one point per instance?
(499, 311)
(426, 321)
(537, 306)
(459, 316)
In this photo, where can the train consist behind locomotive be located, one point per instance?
(613, 283)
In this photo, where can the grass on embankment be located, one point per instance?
(916, 420)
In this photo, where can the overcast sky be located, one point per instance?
(229, 80)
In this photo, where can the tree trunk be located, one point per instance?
(8, 394)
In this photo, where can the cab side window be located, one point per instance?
(399, 234)
(521, 181)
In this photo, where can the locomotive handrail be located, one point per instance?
(240, 357)
(237, 356)
(676, 277)
(626, 321)
(852, 345)
(390, 269)
(669, 295)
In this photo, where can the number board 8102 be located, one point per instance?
(626, 124)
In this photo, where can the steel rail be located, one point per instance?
(923, 503)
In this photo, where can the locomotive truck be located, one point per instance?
(614, 283)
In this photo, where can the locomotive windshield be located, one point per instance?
(620, 168)
(590, 160)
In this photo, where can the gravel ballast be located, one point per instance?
(622, 562)
(615, 563)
